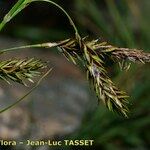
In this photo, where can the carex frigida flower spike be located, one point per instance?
(20, 70)
(92, 54)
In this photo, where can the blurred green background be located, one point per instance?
(125, 23)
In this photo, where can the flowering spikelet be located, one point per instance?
(18, 70)
(125, 54)
(92, 54)
(105, 89)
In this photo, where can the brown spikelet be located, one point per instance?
(105, 89)
(92, 54)
(125, 54)
(18, 70)
(131, 55)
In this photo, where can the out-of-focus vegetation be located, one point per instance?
(121, 22)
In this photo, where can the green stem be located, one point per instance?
(22, 98)
(2, 25)
(29, 46)
(68, 16)
(21, 4)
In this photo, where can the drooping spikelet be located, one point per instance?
(92, 54)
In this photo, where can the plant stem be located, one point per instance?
(22, 98)
(68, 16)
(21, 4)
(29, 46)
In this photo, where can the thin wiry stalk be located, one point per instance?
(68, 16)
(21, 4)
(29, 92)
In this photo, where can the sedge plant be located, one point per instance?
(92, 54)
